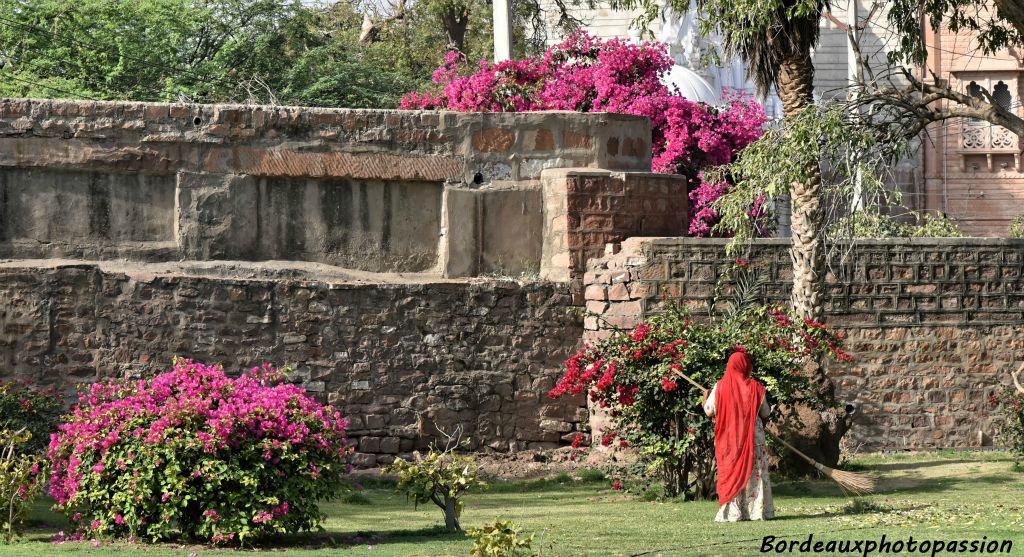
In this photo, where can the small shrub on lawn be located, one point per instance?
(197, 454)
(501, 538)
(439, 477)
(37, 412)
(355, 498)
(562, 478)
(592, 475)
(20, 479)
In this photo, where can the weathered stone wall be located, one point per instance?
(935, 325)
(584, 210)
(397, 358)
(375, 190)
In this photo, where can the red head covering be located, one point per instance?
(737, 400)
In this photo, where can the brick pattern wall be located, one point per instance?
(396, 358)
(587, 209)
(934, 324)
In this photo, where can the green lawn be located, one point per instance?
(939, 496)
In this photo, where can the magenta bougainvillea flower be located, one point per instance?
(587, 74)
(195, 453)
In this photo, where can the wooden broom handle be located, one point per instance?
(813, 462)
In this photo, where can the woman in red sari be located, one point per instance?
(737, 403)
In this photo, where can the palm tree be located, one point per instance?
(774, 38)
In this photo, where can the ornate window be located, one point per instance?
(978, 137)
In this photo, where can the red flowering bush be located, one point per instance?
(637, 377)
(37, 411)
(197, 454)
(1010, 403)
(587, 74)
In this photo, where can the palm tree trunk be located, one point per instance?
(796, 89)
(821, 433)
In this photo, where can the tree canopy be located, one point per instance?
(276, 51)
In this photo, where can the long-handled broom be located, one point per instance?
(849, 482)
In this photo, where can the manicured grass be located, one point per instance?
(939, 496)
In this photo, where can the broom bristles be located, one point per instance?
(852, 482)
(849, 482)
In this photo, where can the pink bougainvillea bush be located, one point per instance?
(195, 454)
(587, 74)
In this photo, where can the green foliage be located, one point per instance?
(501, 538)
(1017, 227)
(250, 51)
(37, 412)
(262, 51)
(1010, 405)
(439, 477)
(994, 31)
(872, 224)
(639, 377)
(860, 158)
(21, 478)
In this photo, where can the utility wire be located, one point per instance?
(50, 87)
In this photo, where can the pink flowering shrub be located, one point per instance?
(197, 454)
(587, 74)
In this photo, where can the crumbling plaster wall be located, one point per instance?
(458, 194)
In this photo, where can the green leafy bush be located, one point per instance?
(1010, 404)
(500, 538)
(193, 453)
(1017, 227)
(21, 478)
(439, 477)
(872, 224)
(37, 412)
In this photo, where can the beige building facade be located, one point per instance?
(970, 171)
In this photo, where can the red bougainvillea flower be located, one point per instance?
(617, 485)
(607, 438)
(668, 385)
(577, 441)
(640, 332)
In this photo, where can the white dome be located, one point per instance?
(690, 85)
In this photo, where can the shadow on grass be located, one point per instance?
(331, 539)
(544, 484)
(910, 485)
(894, 466)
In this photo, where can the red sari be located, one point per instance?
(737, 400)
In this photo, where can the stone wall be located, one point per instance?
(397, 358)
(376, 190)
(584, 210)
(934, 324)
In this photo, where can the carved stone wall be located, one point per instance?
(934, 325)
